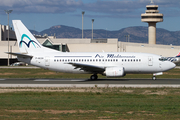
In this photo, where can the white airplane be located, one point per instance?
(112, 64)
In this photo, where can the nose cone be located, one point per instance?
(167, 65)
(172, 65)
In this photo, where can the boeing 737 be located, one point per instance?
(112, 64)
(175, 59)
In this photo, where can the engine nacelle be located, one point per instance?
(114, 72)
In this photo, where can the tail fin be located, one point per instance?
(26, 41)
(178, 55)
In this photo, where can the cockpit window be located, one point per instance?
(163, 59)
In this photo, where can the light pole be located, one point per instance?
(7, 12)
(92, 27)
(127, 38)
(82, 22)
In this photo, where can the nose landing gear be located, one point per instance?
(155, 74)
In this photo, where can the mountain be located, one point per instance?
(138, 34)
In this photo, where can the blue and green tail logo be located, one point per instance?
(29, 43)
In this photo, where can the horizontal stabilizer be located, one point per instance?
(19, 54)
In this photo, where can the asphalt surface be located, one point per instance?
(89, 83)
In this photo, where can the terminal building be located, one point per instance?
(94, 45)
(90, 45)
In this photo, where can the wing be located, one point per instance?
(88, 68)
(19, 54)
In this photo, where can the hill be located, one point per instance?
(138, 34)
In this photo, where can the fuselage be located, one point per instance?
(131, 62)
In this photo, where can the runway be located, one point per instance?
(89, 83)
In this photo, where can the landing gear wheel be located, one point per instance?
(93, 77)
(153, 78)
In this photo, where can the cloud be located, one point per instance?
(41, 6)
(101, 8)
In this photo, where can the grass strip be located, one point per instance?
(91, 103)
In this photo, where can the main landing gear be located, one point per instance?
(154, 78)
(94, 77)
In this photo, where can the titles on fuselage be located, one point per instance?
(114, 56)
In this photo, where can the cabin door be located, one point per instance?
(47, 61)
(150, 61)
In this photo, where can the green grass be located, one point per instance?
(41, 73)
(96, 103)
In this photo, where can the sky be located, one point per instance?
(107, 14)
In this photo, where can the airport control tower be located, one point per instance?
(152, 16)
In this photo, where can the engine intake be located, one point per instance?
(114, 72)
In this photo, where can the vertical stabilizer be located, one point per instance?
(26, 41)
(178, 55)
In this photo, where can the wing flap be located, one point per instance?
(88, 68)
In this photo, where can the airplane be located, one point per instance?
(175, 59)
(110, 64)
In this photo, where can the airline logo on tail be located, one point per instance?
(178, 55)
(29, 43)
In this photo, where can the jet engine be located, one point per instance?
(114, 72)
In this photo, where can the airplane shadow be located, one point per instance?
(115, 79)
